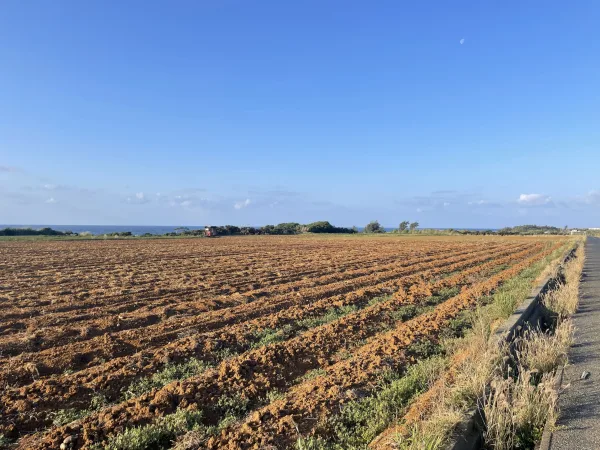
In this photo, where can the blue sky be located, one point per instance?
(464, 114)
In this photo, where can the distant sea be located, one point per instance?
(154, 229)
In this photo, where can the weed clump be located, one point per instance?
(169, 373)
(156, 435)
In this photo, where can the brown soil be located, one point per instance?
(90, 317)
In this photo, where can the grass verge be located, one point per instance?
(512, 388)
(521, 402)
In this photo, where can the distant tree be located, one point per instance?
(231, 229)
(248, 230)
(268, 229)
(287, 228)
(374, 227)
(319, 227)
(119, 234)
(403, 225)
(530, 230)
(413, 226)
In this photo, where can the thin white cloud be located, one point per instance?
(138, 198)
(51, 200)
(534, 200)
(57, 187)
(484, 204)
(242, 204)
(437, 200)
(462, 41)
(9, 169)
(592, 197)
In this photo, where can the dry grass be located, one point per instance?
(564, 299)
(543, 352)
(447, 407)
(516, 410)
(514, 390)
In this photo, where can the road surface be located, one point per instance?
(579, 421)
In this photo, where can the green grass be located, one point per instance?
(360, 421)
(514, 291)
(424, 349)
(407, 312)
(376, 300)
(458, 326)
(169, 373)
(329, 316)
(273, 396)
(65, 416)
(162, 433)
(157, 435)
(311, 374)
(225, 353)
(268, 336)
(231, 406)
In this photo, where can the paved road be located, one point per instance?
(579, 422)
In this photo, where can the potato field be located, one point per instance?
(250, 342)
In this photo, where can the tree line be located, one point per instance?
(10, 231)
(295, 228)
(533, 229)
(280, 229)
(404, 227)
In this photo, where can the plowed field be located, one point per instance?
(249, 342)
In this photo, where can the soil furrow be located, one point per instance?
(253, 374)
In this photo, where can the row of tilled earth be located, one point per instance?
(169, 301)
